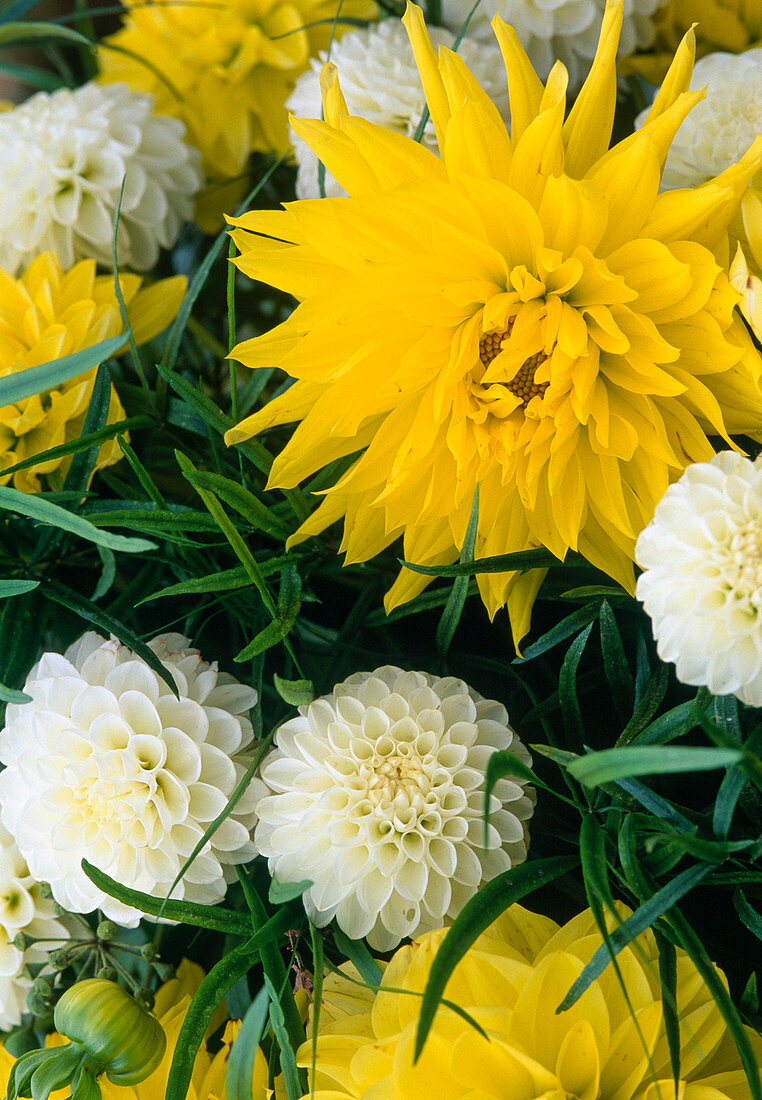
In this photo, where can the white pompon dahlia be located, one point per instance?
(380, 82)
(64, 156)
(378, 797)
(105, 763)
(702, 580)
(557, 30)
(22, 909)
(719, 129)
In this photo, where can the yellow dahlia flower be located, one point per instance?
(46, 314)
(608, 1046)
(228, 66)
(208, 1081)
(732, 25)
(527, 315)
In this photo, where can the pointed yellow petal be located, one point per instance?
(334, 105)
(152, 309)
(587, 131)
(524, 85)
(678, 78)
(426, 60)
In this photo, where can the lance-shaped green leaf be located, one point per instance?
(44, 511)
(621, 763)
(46, 376)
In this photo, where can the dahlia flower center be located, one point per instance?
(745, 572)
(523, 384)
(398, 775)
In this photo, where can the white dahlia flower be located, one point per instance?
(64, 156)
(378, 801)
(22, 909)
(107, 764)
(702, 580)
(557, 30)
(380, 82)
(719, 129)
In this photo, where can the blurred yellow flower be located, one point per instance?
(208, 1081)
(225, 68)
(608, 1046)
(731, 25)
(46, 314)
(527, 315)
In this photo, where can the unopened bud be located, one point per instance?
(43, 988)
(106, 930)
(21, 941)
(149, 952)
(44, 890)
(145, 998)
(108, 973)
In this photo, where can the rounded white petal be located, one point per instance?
(375, 795)
(65, 154)
(701, 556)
(116, 770)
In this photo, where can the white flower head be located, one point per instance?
(22, 909)
(380, 82)
(64, 156)
(557, 30)
(718, 130)
(378, 801)
(702, 580)
(105, 763)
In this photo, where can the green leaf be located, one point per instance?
(675, 723)
(572, 624)
(25, 383)
(358, 954)
(83, 443)
(10, 695)
(83, 462)
(668, 981)
(41, 33)
(289, 605)
(296, 693)
(240, 1068)
(202, 1008)
(87, 610)
(38, 508)
(456, 601)
(281, 892)
(477, 915)
(595, 871)
(647, 705)
(12, 587)
(500, 563)
(186, 912)
(610, 764)
(747, 913)
(615, 664)
(245, 503)
(637, 923)
(224, 581)
(567, 688)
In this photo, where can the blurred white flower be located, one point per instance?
(702, 580)
(64, 156)
(557, 30)
(380, 82)
(719, 129)
(22, 909)
(107, 764)
(379, 800)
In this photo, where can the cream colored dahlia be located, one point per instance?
(557, 30)
(64, 156)
(381, 82)
(22, 909)
(378, 799)
(107, 764)
(702, 580)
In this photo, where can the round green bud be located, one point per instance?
(106, 930)
(123, 1040)
(107, 972)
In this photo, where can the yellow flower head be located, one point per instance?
(730, 25)
(208, 1080)
(224, 68)
(527, 315)
(46, 314)
(608, 1046)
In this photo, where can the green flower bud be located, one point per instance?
(107, 972)
(122, 1040)
(106, 930)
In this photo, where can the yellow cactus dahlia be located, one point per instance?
(46, 314)
(608, 1046)
(731, 25)
(225, 68)
(526, 315)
